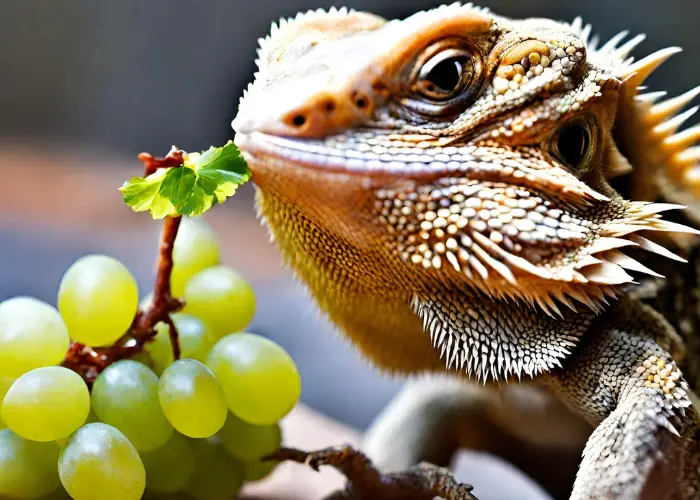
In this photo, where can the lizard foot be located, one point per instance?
(365, 482)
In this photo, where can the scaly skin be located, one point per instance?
(442, 186)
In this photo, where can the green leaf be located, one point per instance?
(144, 194)
(178, 186)
(221, 171)
(191, 189)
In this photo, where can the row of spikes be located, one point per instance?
(283, 22)
(278, 28)
(464, 351)
(661, 119)
(591, 277)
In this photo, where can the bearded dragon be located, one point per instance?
(481, 198)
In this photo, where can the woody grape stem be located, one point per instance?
(89, 362)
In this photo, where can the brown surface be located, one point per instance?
(308, 430)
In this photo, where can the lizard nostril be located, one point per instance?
(298, 120)
(361, 102)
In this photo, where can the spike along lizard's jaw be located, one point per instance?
(475, 144)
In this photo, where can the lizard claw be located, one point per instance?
(422, 482)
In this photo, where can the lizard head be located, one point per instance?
(453, 148)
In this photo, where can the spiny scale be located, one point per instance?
(482, 232)
(661, 119)
(463, 343)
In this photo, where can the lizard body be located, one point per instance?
(442, 185)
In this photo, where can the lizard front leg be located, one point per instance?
(647, 443)
(434, 416)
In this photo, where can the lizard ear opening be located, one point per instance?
(576, 144)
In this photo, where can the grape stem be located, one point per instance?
(89, 362)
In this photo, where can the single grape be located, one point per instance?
(98, 461)
(125, 396)
(46, 404)
(5, 384)
(27, 468)
(194, 341)
(192, 399)
(32, 335)
(259, 378)
(221, 298)
(169, 468)
(195, 249)
(257, 470)
(248, 442)
(217, 475)
(97, 298)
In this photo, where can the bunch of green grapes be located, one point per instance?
(151, 426)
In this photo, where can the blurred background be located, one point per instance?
(86, 85)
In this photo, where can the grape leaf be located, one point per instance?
(190, 189)
(143, 194)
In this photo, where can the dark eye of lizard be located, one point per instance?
(445, 75)
(445, 78)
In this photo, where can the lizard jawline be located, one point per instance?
(316, 156)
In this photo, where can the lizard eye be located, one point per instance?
(445, 75)
(574, 145)
(445, 78)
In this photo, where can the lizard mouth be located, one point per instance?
(342, 155)
(376, 155)
(493, 213)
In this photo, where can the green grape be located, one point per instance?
(125, 396)
(195, 249)
(257, 470)
(260, 379)
(194, 341)
(98, 298)
(32, 335)
(98, 461)
(192, 399)
(169, 467)
(221, 298)
(248, 442)
(27, 468)
(46, 404)
(5, 384)
(217, 475)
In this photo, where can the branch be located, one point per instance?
(174, 158)
(89, 362)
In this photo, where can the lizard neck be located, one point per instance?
(356, 288)
(407, 327)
